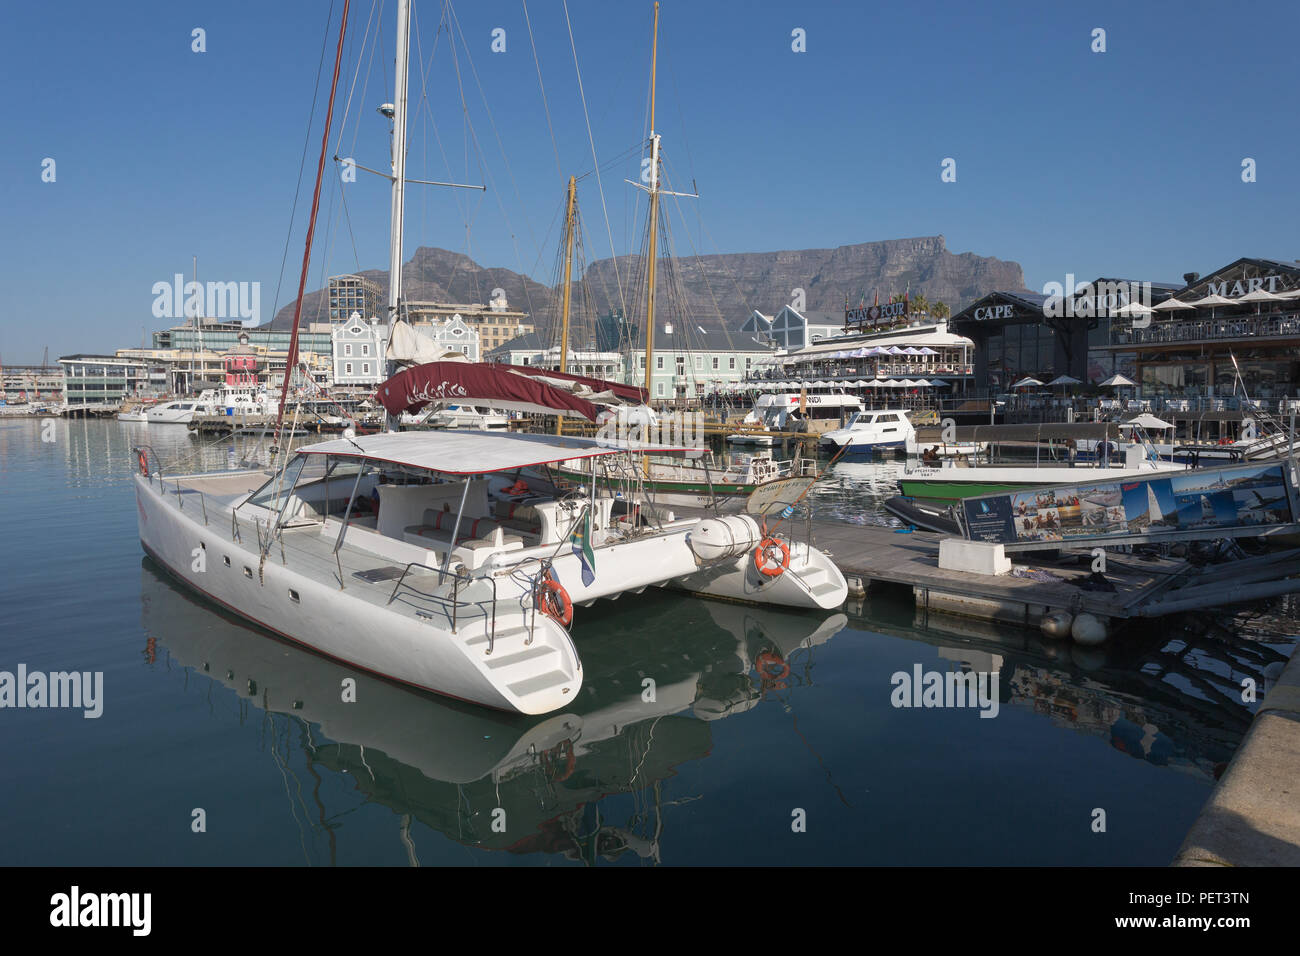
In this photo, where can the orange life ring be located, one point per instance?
(144, 461)
(765, 553)
(771, 667)
(554, 601)
(565, 748)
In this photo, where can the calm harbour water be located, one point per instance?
(201, 711)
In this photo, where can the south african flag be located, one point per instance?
(580, 541)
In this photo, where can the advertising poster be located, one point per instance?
(1197, 499)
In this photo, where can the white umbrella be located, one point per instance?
(894, 350)
(1024, 382)
(1170, 304)
(1064, 380)
(875, 383)
(940, 383)
(922, 383)
(1293, 294)
(861, 383)
(1134, 308)
(1148, 421)
(926, 350)
(1258, 296)
(1212, 300)
(1118, 380)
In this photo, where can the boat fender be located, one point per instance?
(554, 600)
(1089, 630)
(772, 557)
(1057, 624)
(143, 458)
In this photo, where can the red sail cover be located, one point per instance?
(468, 383)
(629, 393)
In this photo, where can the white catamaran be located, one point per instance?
(437, 558)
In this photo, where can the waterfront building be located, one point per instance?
(102, 380)
(354, 293)
(1020, 334)
(358, 348)
(20, 384)
(928, 351)
(536, 350)
(1239, 325)
(794, 329)
(218, 336)
(691, 362)
(495, 322)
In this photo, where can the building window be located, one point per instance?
(347, 368)
(715, 363)
(731, 363)
(347, 350)
(699, 363)
(659, 389)
(365, 350)
(365, 368)
(659, 362)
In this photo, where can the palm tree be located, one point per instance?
(940, 311)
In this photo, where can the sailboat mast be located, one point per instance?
(399, 160)
(569, 230)
(653, 215)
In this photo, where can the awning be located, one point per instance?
(483, 384)
(472, 452)
(1147, 421)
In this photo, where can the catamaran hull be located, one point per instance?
(323, 617)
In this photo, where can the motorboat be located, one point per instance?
(814, 414)
(870, 431)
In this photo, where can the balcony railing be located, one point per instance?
(1273, 325)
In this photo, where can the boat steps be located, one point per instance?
(539, 684)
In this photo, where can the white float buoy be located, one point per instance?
(1089, 630)
(1057, 624)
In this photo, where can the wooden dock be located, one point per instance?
(873, 556)
(1041, 582)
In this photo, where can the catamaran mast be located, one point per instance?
(569, 230)
(652, 239)
(399, 162)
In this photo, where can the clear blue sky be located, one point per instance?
(1124, 163)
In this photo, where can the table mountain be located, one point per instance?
(713, 290)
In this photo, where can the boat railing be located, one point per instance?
(457, 578)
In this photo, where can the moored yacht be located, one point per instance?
(432, 559)
(870, 431)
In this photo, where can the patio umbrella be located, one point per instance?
(1170, 305)
(940, 383)
(926, 350)
(1149, 422)
(1293, 294)
(1212, 300)
(1134, 308)
(1259, 296)
(1118, 380)
(922, 383)
(1064, 380)
(1025, 382)
(861, 383)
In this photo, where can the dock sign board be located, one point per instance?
(1235, 499)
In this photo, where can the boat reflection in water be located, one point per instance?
(1173, 699)
(655, 679)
